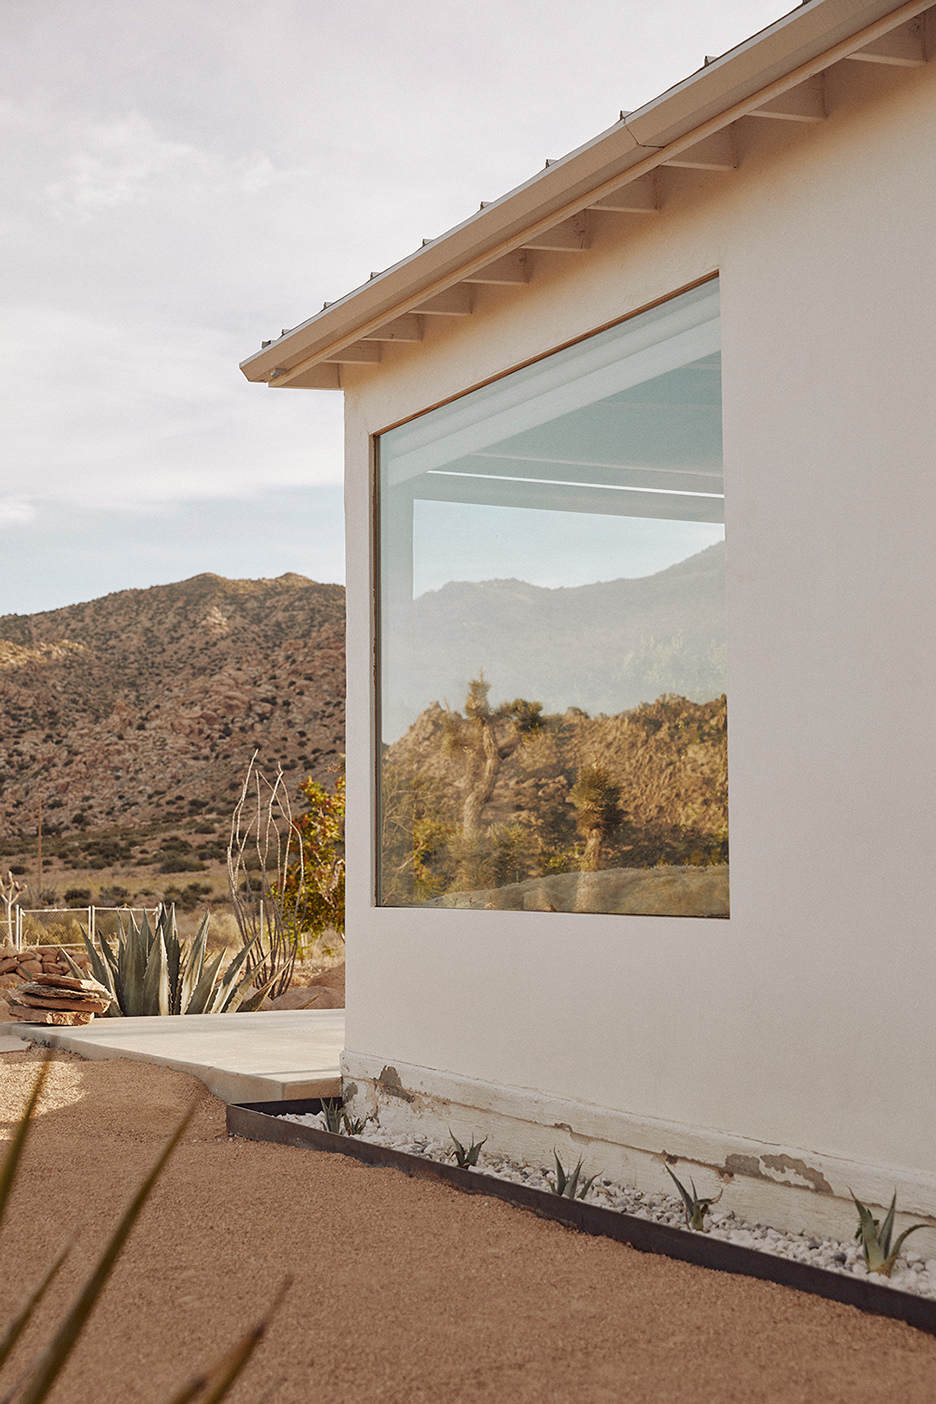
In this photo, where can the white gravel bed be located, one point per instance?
(912, 1273)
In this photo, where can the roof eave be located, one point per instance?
(714, 95)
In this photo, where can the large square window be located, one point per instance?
(552, 695)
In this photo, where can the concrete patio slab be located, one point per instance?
(275, 1056)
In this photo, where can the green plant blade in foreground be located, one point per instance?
(19, 1324)
(223, 1375)
(12, 1158)
(65, 1339)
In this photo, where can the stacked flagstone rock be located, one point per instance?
(58, 999)
(33, 964)
(37, 960)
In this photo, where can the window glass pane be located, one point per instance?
(552, 637)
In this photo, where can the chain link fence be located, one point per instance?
(61, 926)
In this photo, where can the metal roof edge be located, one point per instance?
(632, 145)
(791, 41)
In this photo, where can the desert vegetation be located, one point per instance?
(144, 708)
(494, 795)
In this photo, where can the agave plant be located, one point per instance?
(566, 1184)
(465, 1156)
(875, 1237)
(339, 1121)
(208, 1387)
(695, 1206)
(150, 971)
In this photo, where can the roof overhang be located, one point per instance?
(751, 79)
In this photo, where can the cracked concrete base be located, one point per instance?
(276, 1056)
(782, 1186)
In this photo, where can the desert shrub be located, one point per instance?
(311, 890)
(176, 862)
(113, 896)
(192, 895)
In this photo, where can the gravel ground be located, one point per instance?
(911, 1273)
(404, 1291)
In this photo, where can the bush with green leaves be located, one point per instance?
(149, 971)
(311, 887)
(208, 1387)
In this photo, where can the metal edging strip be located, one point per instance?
(262, 1121)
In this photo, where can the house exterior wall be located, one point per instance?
(790, 1048)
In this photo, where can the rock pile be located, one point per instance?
(36, 960)
(58, 999)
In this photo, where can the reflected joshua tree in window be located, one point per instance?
(552, 639)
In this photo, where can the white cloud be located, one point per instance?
(183, 180)
(15, 511)
(127, 162)
(141, 412)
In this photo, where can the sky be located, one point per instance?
(183, 180)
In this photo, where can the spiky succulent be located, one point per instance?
(695, 1206)
(149, 971)
(566, 1184)
(875, 1237)
(465, 1157)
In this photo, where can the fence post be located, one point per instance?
(91, 924)
(19, 929)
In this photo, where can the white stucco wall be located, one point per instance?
(808, 1019)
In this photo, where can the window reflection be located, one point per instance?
(552, 639)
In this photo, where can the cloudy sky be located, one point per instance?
(182, 180)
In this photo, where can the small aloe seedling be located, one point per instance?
(566, 1184)
(875, 1238)
(464, 1158)
(354, 1125)
(340, 1122)
(694, 1205)
(334, 1114)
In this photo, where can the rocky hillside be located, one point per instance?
(145, 706)
(498, 797)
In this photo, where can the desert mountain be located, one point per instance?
(604, 647)
(148, 704)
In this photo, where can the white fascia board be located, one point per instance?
(493, 230)
(789, 44)
(789, 48)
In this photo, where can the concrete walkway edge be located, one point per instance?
(281, 1055)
